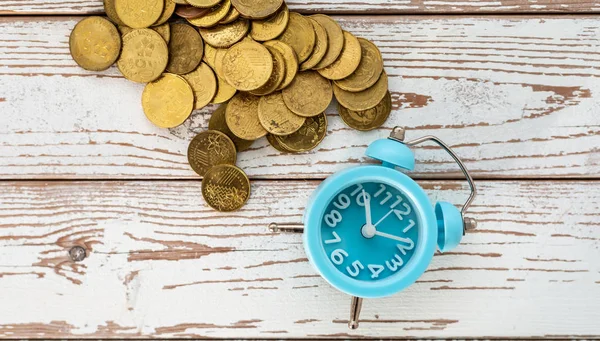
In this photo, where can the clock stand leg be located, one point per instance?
(291, 228)
(355, 308)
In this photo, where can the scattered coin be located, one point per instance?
(275, 144)
(190, 12)
(365, 99)
(320, 46)
(290, 61)
(168, 9)
(241, 116)
(232, 16)
(225, 188)
(208, 149)
(309, 94)
(95, 43)
(213, 16)
(247, 65)
(270, 28)
(168, 101)
(164, 30)
(225, 35)
(203, 83)
(307, 137)
(144, 56)
(203, 3)
(300, 35)
(347, 62)
(275, 116)
(367, 119)
(224, 91)
(257, 9)
(139, 13)
(185, 49)
(111, 12)
(217, 122)
(335, 39)
(368, 71)
(277, 75)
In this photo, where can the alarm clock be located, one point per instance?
(370, 231)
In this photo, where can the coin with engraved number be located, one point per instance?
(224, 91)
(300, 35)
(257, 9)
(247, 65)
(139, 13)
(277, 75)
(190, 12)
(167, 12)
(203, 3)
(208, 149)
(347, 62)
(369, 119)
(309, 94)
(221, 36)
(232, 16)
(164, 30)
(241, 116)
(365, 99)
(290, 61)
(320, 46)
(217, 122)
(308, 137)
(203, 83)
(335, 39)
(185, 49)
(168, 101)
(368, 71)
(111, 12)
(95, 43)
(225, 188)
(275, 116)
(144, 56)
(272, 27)
(214, 15)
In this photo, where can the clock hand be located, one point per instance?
(367, 208)
(390, 236)
(383, 218)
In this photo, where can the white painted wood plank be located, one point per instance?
(163, 264)
(516, 97)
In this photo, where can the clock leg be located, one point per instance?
(355, 308)
(291, 228)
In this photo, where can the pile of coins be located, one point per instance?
(273, 71)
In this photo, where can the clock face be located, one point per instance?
(369, 231)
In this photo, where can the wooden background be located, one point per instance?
(512, 85)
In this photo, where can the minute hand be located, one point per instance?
(390, 236)
(367, 208)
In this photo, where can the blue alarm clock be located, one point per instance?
(371, 231)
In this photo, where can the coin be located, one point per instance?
(257, 9)
(232, 16)
(168, 9)
(139, 13)
(335, 39)
(180, 2)
(164, 30)
(224, 91)
(168, 101)
(226, 188)
(367, 119)
(225, 35)
(144, 56)
(217, 122)
(300, 35)
(95, 43)
(203, 3)
(241, 116)
(275, 144)
(368, 71)
(208, 149)
(277, 75)
(290, 59)
(203, 83)
(309, 94)
(347, 62)
(211, 56)
(275, 116)
(320, 46)
(272, 27)
(111, 12)
(247, 65)
(308, 137)
(365, 99)
(216, 14)
(190, 12)
(185, 49)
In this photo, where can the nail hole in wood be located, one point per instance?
(77, 253)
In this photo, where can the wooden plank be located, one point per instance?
(75, 7)
(162, 264)
(516, 97)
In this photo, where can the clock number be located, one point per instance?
(333, 218)
(388, 196)
(397, 262)
(337, 239)
(383, 188)
(405, 212)
(397, 202)
(356, 267)
(343, 202)
(358, 189)
(411, 224)
(406, 247)
(361, 198)
(376, 269)
(337, 256)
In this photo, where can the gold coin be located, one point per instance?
(217, 122)
(181, 2)
(365, 99)
(308, 95)
(144, 56)
(320, 46)
(164, 30)
(185, 49)
(247, 65)
(203, 83)
(275, 116)
(335, 40)
(168, 101)
(277, 75)
(208, 149)
(257, 9)
(291, 61)
(272, 27)
(214, 58)
(368, 71)
(225, 35)
(167, 12)
(190, 12)
(224, 91)
(308, 137)
(111, 12)
(203, 3)
(226, 188)
(275, 144)
(95, 43)
(216, 14)
(241, 116)
(300, 35)
(232, 16)
(139, 13)
(347, 62)
(367, 119)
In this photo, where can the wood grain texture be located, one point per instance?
(332, 6)
(515, 97)
(163, 264)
